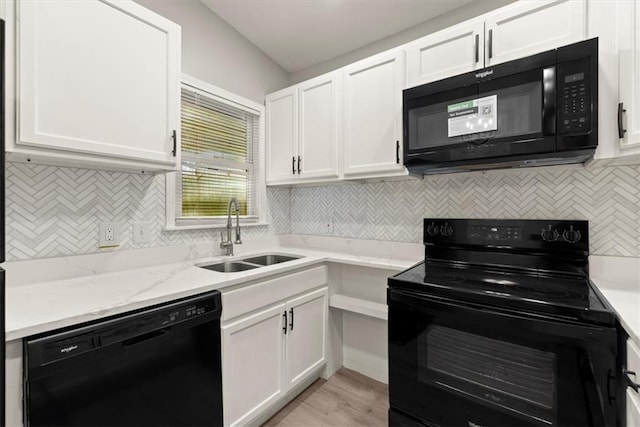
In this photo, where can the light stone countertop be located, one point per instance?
(33, 308)
(87, 288)
(618, 279)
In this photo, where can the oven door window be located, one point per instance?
(462, 364)
(517, 378)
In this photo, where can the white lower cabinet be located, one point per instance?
(306, 344)
(253, 356)
(633, 408)
(633, 398)
(268, 353)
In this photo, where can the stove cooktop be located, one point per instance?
(559, 296)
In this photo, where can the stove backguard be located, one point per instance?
(545, 246)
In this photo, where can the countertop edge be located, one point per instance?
(624, 297)
(219, 281)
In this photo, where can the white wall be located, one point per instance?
(469, 11)
(215, 52)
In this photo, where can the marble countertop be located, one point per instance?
(34, 308)
(625, 301)
(45, 295)
(618, 279)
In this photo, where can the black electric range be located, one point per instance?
(573, 298)
(500, 325)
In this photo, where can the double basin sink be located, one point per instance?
(249, 263)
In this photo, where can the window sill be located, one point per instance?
(213, 226)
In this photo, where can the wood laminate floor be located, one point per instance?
(346, 399)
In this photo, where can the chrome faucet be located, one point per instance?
(227, 243)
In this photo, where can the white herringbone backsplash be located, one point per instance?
(54, 211)
(608, 197)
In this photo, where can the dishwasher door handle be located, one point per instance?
(145, 337)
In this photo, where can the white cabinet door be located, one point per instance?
(373, 114)
(628, 23)
(318, 127)
(527, 27)
(282, 135)
(306, 338)
(253, 364)
(456, 50)
(633, 408)
(98, 77)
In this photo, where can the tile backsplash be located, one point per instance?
(608, 197)
(53, 211)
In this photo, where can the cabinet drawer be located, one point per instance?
(252, 297)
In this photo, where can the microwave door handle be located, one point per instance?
(549, 96)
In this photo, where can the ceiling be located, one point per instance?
(297, 34)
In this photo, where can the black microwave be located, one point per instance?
(536, 111)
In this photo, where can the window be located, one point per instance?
(221, 136)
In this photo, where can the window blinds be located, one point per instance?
(219, 157)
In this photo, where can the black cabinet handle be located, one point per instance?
(477, 47)
(175, 143)
(293, 165)
(299, 170)
(284, 328)
(621, 129)
(490, 44)
(631, 383)
(398, 152)
(291, 320)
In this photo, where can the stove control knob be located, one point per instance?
(571, 235)
(432, 229)
(550, 234)
(446, 230)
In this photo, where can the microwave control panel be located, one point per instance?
(574, 98)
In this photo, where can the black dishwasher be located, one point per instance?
(158, 366)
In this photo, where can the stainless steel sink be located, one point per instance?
(248, 263)
(270, 259)
(229, 266)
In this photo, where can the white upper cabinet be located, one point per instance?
(368, 119)
(282, 134)
(98, 78)
(303, 131)
(318, 122)
(515, 31)
(628, 25)
(373, 115)
(456, 50)
(527, 27)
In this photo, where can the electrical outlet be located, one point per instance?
(141, 232)
(329, 226)
(109, 235)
